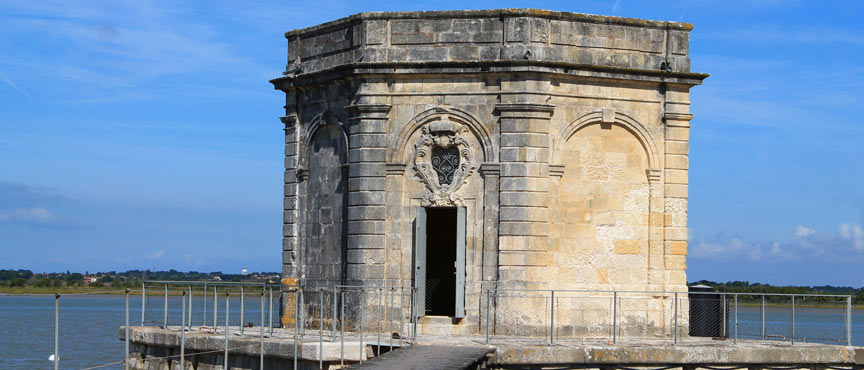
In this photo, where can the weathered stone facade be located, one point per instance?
(562, 138)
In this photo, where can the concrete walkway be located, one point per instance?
(513, 351)
(429, 358)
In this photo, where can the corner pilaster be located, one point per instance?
(523, 228)
(676, 179)
(290, 246)
(367, 211)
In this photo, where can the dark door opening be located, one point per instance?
(441, 235)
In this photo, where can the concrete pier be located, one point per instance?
(204, 350)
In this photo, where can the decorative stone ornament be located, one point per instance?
(443, 161)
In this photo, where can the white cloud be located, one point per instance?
(846, 244)
(35, 215)
(157, 254)
(803, 231)
(854, 234)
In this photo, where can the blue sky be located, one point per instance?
(144, 134)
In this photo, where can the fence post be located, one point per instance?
(143, 302)
(488, 308)
(793, 320)
(416, 315)
(614, 317)
(183, 333)
(552, 319)
(261, 336)
(735, 340)
(204, 296)
(243, 310)
(56, 331)
(296, 324)
(401, 310)
(849, 320)
(126, 335)
(675, 315)
(165, 310)
(342, 329)
(335, 288)
(763, 317)
(725, 321)
(227, 321)
(390, 321)
(270, 313)
(215, 308)
(380, 317)
(321, 329)
(189, 321)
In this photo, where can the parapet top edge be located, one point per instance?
(520, 12)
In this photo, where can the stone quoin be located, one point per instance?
(461, 151)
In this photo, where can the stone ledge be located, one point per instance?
(493, 13)
(484, 67)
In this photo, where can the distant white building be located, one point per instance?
(244, 272)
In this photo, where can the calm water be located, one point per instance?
(89, 326)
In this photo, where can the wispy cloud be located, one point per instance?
(156, 255)
(106, 50)
(36, 215)
(14, 86)
(25, 204)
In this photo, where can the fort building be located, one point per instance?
(502, 189)
(456, 152)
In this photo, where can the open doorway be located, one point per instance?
(440, 256)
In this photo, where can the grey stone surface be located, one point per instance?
(489, 35)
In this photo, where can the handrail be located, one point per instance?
(669, 293)
(209, 282)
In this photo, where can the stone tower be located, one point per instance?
(460, 151)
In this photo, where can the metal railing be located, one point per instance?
(375, 317)
(383, 319)
(608, 316)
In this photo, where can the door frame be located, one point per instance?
(419, 262)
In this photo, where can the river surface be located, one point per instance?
(89, 326)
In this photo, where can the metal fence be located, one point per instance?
(380, 318)
(358, 318)
(548, 316)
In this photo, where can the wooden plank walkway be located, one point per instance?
(428, 358)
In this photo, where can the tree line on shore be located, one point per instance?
(747, 287)
(115, 279)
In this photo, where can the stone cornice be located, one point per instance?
(677, 119)
(290, 82)
(525, 107)
(395, 168)
(368, 111)
(491, 13)
(556, 170)
(367, 108)
(289, 121)
(654, 174)
(490, 169)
